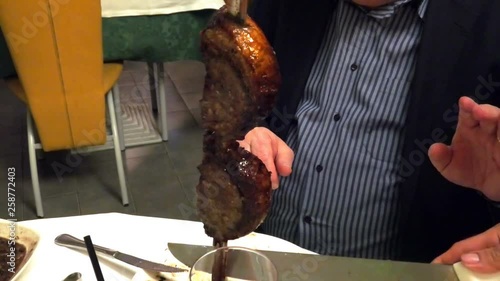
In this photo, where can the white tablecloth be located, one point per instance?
(119, 8)
(145, 237)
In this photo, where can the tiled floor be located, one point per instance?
(161, 177)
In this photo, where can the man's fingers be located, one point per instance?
(487, 239)
(488, 117)
(498, 130)
(245, 145)
(261, 146)
(451, 256)
(440, 156)
(284, 158)
(465, 117)
(271, 150)
(484, 261)
(438, 260)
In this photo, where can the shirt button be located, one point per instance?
(354, 67)
(336, 117)
(319, 168)
(307, 219)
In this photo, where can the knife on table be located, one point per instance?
(297, 267)
(73, 242)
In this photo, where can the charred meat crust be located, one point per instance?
(234, 194)
(247, 49)
(241, 86)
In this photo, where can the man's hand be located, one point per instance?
(480, 253)
(473, 159)
(271, 150)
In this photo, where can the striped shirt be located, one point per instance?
(342, 196)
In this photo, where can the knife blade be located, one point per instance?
(296, 267)
(75, 243)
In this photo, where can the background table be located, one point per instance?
(153, 31)
(158, 38)
(158, 32)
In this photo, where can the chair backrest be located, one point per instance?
(56, 46)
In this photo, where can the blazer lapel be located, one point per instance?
(447, 26)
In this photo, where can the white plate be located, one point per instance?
(254, 241)
(24, 236)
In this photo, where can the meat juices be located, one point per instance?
(241, 86)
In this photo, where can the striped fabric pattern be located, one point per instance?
(342, 196)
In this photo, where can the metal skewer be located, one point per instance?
(238, 8)
(220, 262)
(243, 9)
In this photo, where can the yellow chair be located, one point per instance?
(56, 46)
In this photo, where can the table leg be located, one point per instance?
(153, 85)
(162, 116)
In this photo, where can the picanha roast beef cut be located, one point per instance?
(241, 86)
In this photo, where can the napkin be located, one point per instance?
(464, 274)
(143, 275)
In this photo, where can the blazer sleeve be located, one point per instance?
(493, 206)
(495, 212)
(265, 13)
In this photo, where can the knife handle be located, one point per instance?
(73, 242)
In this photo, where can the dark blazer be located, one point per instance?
(459, 55)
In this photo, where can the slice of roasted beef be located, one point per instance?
(241, 86)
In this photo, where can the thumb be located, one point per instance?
(440, 156)
(484, 261)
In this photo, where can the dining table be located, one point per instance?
(144, 30)
(149, 238)
(141, 236)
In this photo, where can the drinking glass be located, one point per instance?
(241, 264)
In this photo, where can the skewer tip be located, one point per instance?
(238, 8)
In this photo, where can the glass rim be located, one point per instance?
(240, 248)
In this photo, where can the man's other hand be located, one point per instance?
(480, 253)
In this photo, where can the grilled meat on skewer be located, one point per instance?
(241, 85)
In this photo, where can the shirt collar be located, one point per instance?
(422, 7)
(389, 10)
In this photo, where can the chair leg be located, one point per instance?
(118, 153)
(33, 165)
(40, 154)
(157, 84)
(153, 86)
(162, 108)
(118, 112)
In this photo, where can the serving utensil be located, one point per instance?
(293, 266)
(75, 276)
(73, 242)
